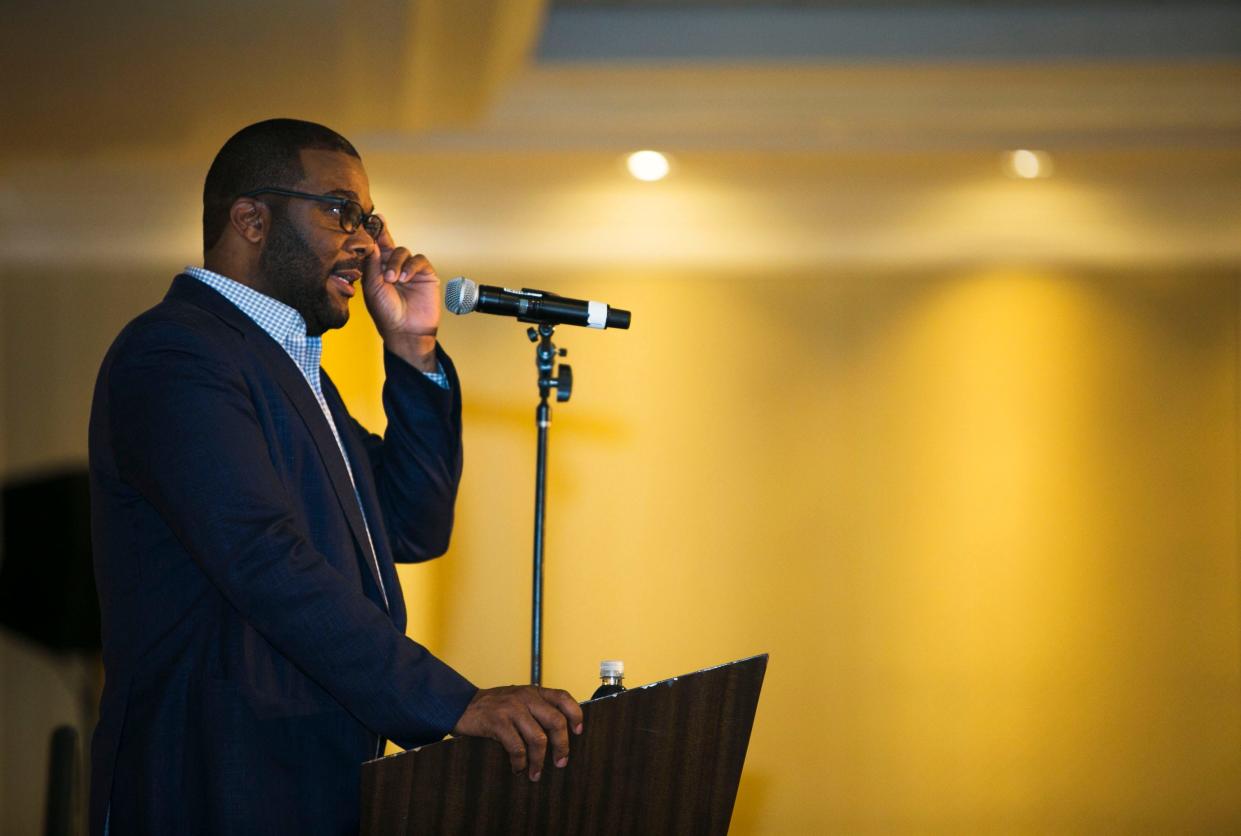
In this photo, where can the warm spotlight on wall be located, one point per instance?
(1025, 164)
(648, 165)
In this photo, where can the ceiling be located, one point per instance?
(709, 5)
(494, 110)
(891, 31)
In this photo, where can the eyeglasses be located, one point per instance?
(350, 212)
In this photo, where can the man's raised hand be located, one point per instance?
(402, 293)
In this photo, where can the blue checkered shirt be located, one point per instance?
(286, 326)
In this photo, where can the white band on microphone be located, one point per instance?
(596, 315)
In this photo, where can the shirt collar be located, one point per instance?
(280, 322)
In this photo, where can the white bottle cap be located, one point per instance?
(611, 668)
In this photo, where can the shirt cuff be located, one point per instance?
(438, 377)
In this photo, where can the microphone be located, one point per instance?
(462, 296)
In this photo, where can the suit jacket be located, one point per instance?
(251, 664)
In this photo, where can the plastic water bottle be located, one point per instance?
(611, 675)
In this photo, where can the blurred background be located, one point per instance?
(931, 392)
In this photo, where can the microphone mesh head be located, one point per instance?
(460, 295)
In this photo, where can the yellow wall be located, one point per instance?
(985, 522)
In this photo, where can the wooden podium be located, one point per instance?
(661, 758)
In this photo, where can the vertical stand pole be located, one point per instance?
(543, 418)
(545, 358)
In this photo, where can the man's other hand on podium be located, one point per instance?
(524, 719)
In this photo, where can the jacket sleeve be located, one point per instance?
(417, 464)
(186, 435)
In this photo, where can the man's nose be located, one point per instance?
(360, 243)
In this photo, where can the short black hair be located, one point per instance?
(266, 153)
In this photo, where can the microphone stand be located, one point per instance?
(545, 355)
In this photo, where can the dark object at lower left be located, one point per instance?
(47, 582)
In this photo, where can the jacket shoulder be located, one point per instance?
(175, 325)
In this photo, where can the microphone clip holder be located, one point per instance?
(545, 355)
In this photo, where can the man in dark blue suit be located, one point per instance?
(246, 528)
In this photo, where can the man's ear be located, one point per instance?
(250, 219)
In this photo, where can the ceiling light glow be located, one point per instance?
(1025, 164)
(648, 165)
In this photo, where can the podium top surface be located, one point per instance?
(659, 758)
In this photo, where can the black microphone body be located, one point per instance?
(462, 296)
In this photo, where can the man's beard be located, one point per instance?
(295, 276)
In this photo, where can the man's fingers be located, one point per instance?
(507, 734)
(567, 706)
(398, 265)
(394, 263)
(526, 720)
(402, 266)
(536, 741)
(373, 269)
(557, 728)
(385, 239)
(418, 268)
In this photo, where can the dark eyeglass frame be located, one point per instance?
(352, 215)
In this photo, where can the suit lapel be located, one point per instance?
(290, 379)
(369, 494)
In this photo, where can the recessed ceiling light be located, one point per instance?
(1025, 164)
(648, 165)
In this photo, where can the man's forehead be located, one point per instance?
(335, 172)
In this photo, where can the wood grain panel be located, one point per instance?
(663, 758)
